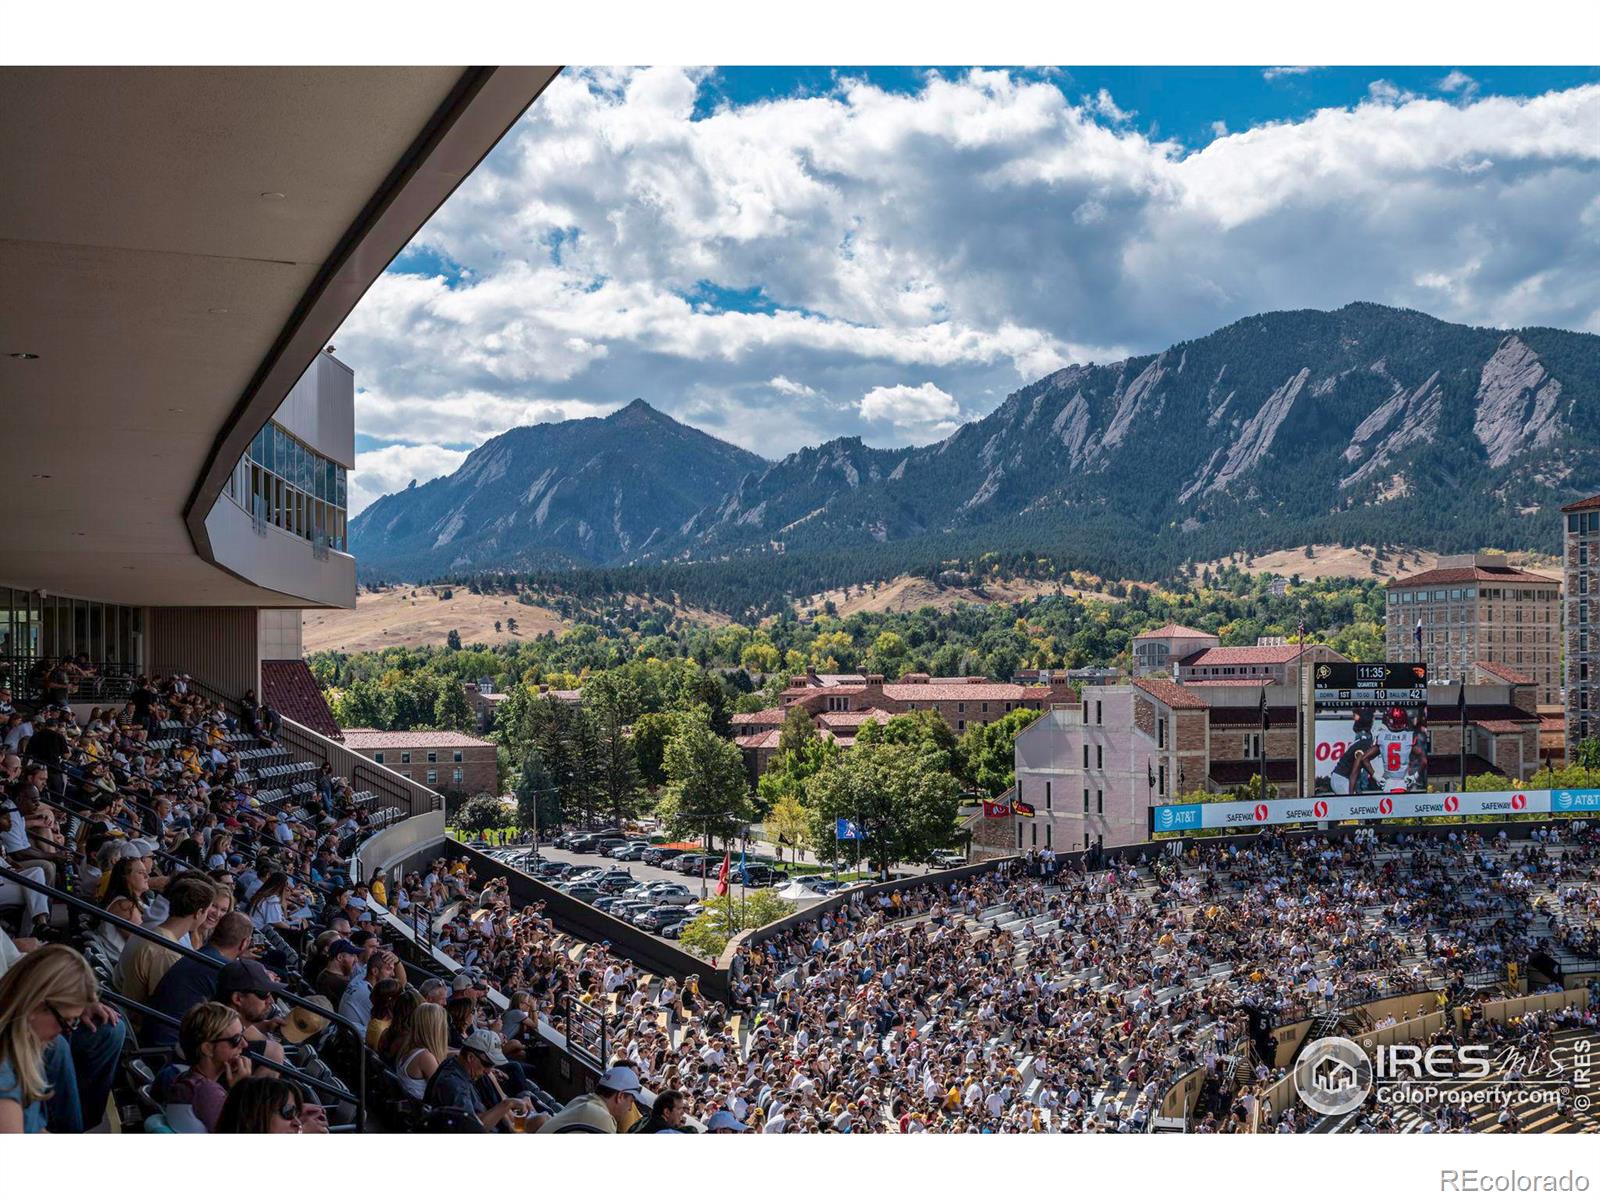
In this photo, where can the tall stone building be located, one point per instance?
(1582, 572)
(1476, 607)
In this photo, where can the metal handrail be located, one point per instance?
(150, 834)
(253, 1055)
(80, 905)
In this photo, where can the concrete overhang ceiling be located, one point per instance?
(177, 244)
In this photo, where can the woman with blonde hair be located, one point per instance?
(213, 1044)
(421, 1048)
(42, 997)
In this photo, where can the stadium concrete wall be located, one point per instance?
(587, 922)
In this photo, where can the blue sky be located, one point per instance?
(1174, 102)
(785, 255)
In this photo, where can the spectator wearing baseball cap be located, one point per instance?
(723, 1121)
(455, 1084)
(245, 986)
(343, 956)
(611, 1108)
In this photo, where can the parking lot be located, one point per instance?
(656, 919)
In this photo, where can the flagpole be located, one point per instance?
(1300, 712)
(1262, 747)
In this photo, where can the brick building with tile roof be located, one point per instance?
(447, 761)
(1091, 771)
(839, 706)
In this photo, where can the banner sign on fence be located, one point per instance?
(1575, 800)
(1247, 813)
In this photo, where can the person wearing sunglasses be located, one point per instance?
(212, 1041)
(263, 1106)
(43, 998)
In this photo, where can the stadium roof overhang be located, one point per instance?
(178, 244)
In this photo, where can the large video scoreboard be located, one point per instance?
(1371, 722)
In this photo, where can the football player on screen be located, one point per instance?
(1353, 772)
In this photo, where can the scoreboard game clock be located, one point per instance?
(1371, 722)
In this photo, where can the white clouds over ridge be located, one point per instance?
(954, 242)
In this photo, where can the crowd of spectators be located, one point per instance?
(1103, 986)
(166, 814)
(1039, 996)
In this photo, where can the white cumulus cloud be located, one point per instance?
(975, 232)
(789, 387)
(391, 468)
(923, 411)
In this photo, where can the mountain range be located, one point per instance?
(1365, 425)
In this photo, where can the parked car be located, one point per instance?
(550, 870)
(613, 883)
(675, 930)
(630, 851)
(670, 893)
(586, 892)
(824, 887)
(477, 844)
(605, 845)
(946, 859)
(758, 875)
(654, 919)
(628, 907)
(691, 864)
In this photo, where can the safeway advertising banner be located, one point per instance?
(1245, 813)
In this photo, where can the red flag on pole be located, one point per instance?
(722, 875)
(994, 809)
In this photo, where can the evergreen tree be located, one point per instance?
(451, 710)
(706, 791)
(538, 795)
